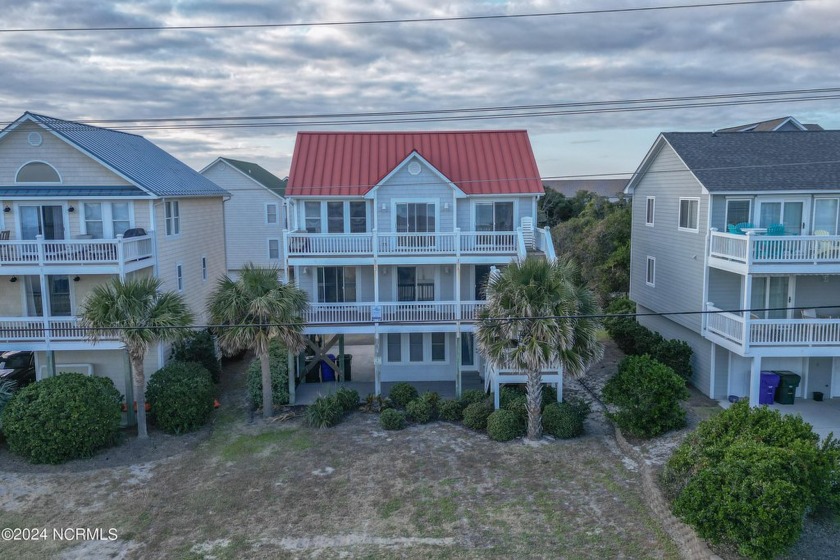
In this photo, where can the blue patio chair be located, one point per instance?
(744, 225)
(776, 229)
(732, 228)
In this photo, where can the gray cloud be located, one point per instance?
(310, 70)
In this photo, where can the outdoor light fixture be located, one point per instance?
(13, 279)
(76, 279)
(71, 209)
(7, 209)
(384, 206)
(446, 206)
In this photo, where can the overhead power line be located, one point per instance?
(474, 113)
(488, 17)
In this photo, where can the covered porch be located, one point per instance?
(306, 393)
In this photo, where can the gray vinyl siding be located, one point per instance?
(419, 371)
(679, 254)
(701, 360)
(725, 289)
(246, 230)
(464, 211)
(423, 187)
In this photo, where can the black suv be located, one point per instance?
(18, 367)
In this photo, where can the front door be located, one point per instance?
(46, 220)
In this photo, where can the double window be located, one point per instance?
(415, 283)
(106, 220)
(57, 302)
(494, 216)
(689, 214)
(172, 212)
(415, 217)
(337, 284)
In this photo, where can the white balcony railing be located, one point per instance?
(776, 249)
(302, 244)
(39, 329)
(392, 312)
(76, 251)
(773, 332)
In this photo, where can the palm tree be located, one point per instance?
(255, 310)
(139, 313)
(538, 318)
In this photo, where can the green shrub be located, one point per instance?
(549, 395)
(476, 414)
(565, 420)
(325, 412)
(504, 425)
(199, 347)
(451, 410)
(676, 354)
(419, 410)
(181, 397)
(471, 396)
(432, 399)
(517, 404)
(747, 477)
(7, 389)
(392, 419)
(647, 395)
(508, 393)
(64, 417)
(402, 393)
(279, 367)
(348, 399)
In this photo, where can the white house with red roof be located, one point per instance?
(394, 234)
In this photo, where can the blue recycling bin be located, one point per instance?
(767, 391)
(327, 372)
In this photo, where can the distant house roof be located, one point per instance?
(352, 163)
(259, 174)
(773, 125)
(756, 162)
(133, 157)
(609, 188)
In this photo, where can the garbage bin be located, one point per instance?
(788, 382)
(348, 362)
(769, 383)
(312, 375)
(818, 396)
(327, 372)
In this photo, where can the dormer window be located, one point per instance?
(37, 172)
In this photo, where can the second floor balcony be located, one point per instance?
(746, 331)
(392, 312)
(303, 245)
(758, 252)
(82, 255)
(43, 333)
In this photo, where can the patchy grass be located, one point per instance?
(257, 444)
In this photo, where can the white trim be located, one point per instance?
(107, 216)
(405, 349)
(474, 207)
(696, 228)
(268, 252)
(397, 201)
(650, 279)
(36, 183)
(650, 211)
(727, 200)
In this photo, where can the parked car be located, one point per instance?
(17, 366)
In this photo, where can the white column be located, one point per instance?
(746, 304)
(755, 380)
(377, 364)
(560, 385)
(458, 378)
(292, 376)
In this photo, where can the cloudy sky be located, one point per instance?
(317, 70)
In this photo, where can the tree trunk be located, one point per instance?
(139, 379)
(533, 389)
(268, 402)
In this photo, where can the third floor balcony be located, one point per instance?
(757, 252)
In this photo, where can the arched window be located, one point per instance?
(37, 172)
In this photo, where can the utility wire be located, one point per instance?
(389, 21)
(428, 322)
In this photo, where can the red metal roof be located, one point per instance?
(351, 163)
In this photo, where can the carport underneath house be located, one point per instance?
(320, 370)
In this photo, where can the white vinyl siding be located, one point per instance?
(650, 210)
(689, 214)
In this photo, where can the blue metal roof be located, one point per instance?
(62, 191)
(137, 159)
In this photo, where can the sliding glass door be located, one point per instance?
(789, 212)
(46, 220)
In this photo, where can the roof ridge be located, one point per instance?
(44, 119)
(410, 132)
